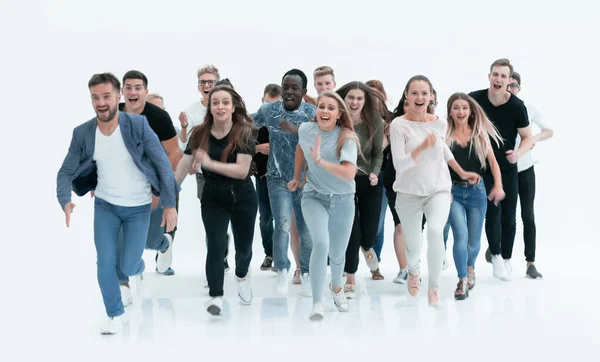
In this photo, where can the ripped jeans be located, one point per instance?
(282, 203)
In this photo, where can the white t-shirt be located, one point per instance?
(535, 118)
(120, 181)
(430, 173)
(195, 113)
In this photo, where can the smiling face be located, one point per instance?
(206, 82)
(355, 99)
(221, 106)
(328, 113)
(418, 96)
(135, 94)
(292, 92)
(499, 78)
(105, 100)
(324, 82)
(460, 112)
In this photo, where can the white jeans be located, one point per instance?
(410, 209)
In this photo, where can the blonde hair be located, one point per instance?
(345, 122)
(154, 95)
(323, 70)
(210, 69)
(482, 129)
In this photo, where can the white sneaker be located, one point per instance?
(498, 267)
(244, 290)
(306, 289)
(402, 277)
(205, 282)
(508, 270)
(113, 326)
(317, 312)
(339, 299)
(125, 295)
(164, 260)
(214, 305)
(281, 283)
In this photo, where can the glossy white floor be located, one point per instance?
(523, 317)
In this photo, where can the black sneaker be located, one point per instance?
(532, 272)
(267, 263)
(488, 256)
(226, 265)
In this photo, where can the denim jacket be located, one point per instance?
(78, 171)
(282, 144)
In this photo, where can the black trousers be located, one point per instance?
(527, 198)
(500, 221)
(222, 203)
(367, 200)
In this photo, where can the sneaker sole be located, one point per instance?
(316, 317)
(213, 309)
(533, 278)
(400, 281)
(244, 302)
(266, 268)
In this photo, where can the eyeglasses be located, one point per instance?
(513, 85)
(205, 82)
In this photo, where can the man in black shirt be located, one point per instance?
(135, 90)
(509, 114)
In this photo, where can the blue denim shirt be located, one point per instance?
(78, 171)
(282, 144)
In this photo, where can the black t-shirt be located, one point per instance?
(215, 150)
(389, 172)
(260, 160)
(467, 159)
(507, 118)
(158, 119)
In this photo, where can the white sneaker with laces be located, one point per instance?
(317, 312)
(125, 295)
(402, 277)
(214, 305)
(164, 260)
(281, 282)
(306, 288)
(498, 267)
(339, 299)
(113, 326)
(244, 289)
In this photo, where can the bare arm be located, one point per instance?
(526, 141)
(345, 170)
(183, 167)
(298, 162)
(238, 170)
(171, 146)
(544, 135)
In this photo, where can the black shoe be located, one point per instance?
(267, 263)
(532, 272)
(488, 256)
(226, 265)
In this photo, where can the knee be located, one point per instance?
(283, 224)
(528, 218)
(131, 269)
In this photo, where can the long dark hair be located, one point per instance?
(370, 111)
(399, 109)
(240, 135)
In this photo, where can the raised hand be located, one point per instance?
(183, 119)
(315, 152)
(429, 141)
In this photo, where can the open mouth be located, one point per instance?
(132, 101)
(419, 104)
(497, 86)
(324, 118)
(288, 99)
(461, 118)
(353, 109)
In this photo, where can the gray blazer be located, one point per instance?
(78, 171)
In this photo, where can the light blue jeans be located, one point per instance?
(329, 219)
(467, 215)
(282, 203)
(108, 220)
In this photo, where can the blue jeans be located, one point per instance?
(108, 220)
(266, 216)
(155, 240)
(329, 219)
(380, 234)
(467, 214)
(282, 203)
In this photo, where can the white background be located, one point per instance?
(51, 48)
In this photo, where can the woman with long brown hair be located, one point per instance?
(328, 195)
(470, 135)
(421, 159)
(362, 105)
(224, 147)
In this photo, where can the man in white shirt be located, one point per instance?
(527, 178)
